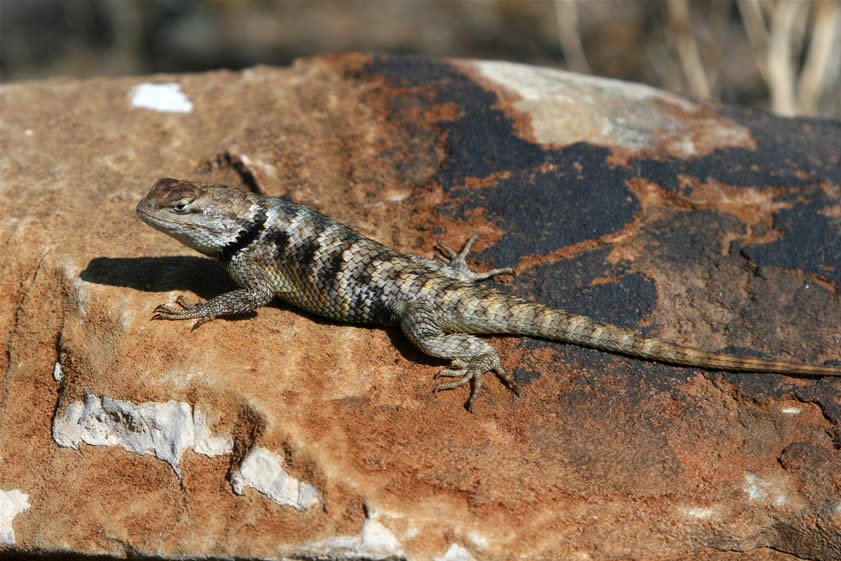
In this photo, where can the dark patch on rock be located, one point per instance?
(689, 237)
(805, 456)
(578, 198)
(481, 141)
(822, 391)
(790, 153)
(526, 376)
(554, 197)
(811, 240)
(569, 284)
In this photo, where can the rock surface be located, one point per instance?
(282, 435)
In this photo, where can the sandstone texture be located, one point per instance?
(284, 436)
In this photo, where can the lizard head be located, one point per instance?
(206, 218)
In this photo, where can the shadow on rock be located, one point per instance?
(201, 276)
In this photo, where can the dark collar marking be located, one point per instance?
(245, 236)
(280, 240)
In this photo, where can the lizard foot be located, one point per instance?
(455, 261)
(472, 372)
(187, 311)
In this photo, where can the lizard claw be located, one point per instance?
(465, 376)
(201, 320)
(167, 311)
(472, 372)
(508, 379)
(181, 300)
(458, 267)
(462, 253)
(447, 254)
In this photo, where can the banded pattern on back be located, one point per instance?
(327, 268)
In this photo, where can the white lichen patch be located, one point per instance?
(762, 490)
(455, 553)
(58, 372)
(479, 540)
(166, 98)
(164, 430)
(697, 512)
(752, 487)
(12, 503)
(375, 542)
(265, 471)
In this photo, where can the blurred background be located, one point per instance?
(782, 55)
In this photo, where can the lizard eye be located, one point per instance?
(180, 206)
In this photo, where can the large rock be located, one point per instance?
(282, 435)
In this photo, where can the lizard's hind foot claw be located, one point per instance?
(472, 372)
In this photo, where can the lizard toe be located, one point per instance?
(456, 262)
(165, 311)
(183, 302)
(508, 379)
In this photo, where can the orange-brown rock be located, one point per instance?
(282, 435)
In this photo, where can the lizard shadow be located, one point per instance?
(206, 278)
(199, 275)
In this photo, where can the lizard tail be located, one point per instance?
(536, 320)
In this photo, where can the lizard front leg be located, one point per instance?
(258, 291)
(470, 356)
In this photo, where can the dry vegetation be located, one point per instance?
(783, 55)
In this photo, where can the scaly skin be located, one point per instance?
(273, 247)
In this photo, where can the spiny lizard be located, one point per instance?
(272, 247)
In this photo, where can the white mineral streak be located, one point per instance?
(12, 503)
(264, 471)
(167, 98)
(375, 542)
(164, 430)
(456, 553)
(764, 490)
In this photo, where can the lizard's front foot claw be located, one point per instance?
(167, 311)
(181, 300)
(203, 311)
(201, 321)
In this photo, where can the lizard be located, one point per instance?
(272, 247)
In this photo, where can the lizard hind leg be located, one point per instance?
(470, 356)
(455, 264)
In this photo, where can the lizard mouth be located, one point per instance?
(146, 214)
